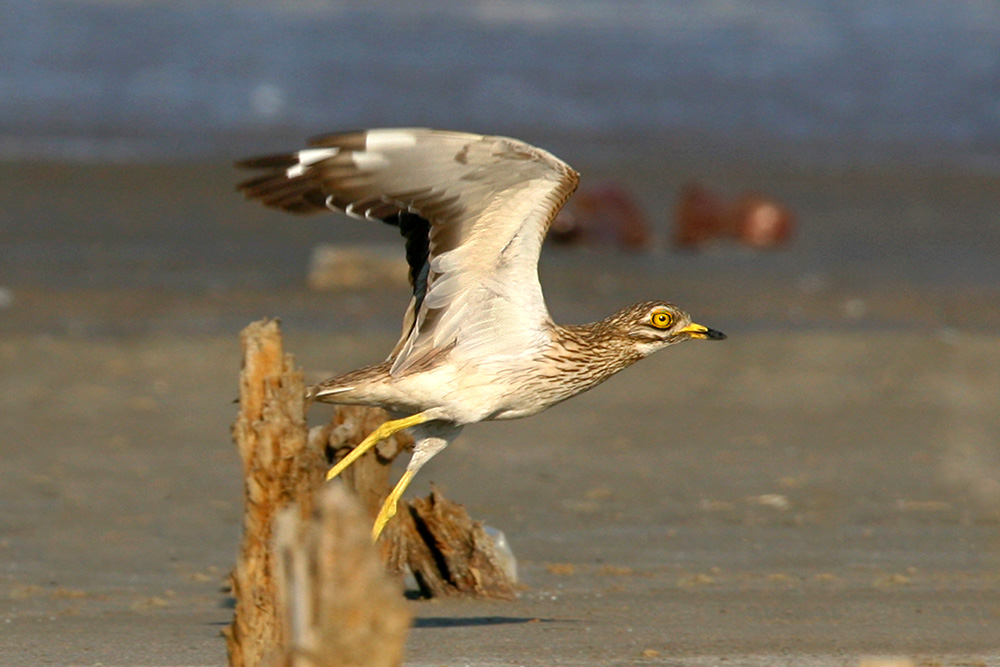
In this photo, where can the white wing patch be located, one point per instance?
(331, 392)
(369, 160)
(377, 140)
(308, 157)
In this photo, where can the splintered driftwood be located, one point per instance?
(447, 552)
(284, 467)
(279, 470)
(341, 608)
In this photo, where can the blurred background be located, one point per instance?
(653, 102)
(101, 80)
(818, 179)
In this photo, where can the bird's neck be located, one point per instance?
(591, 353)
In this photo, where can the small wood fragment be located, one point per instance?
(448, 553)
(341, 608)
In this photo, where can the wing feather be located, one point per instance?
(487, 203)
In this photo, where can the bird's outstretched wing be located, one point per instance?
(474, 209)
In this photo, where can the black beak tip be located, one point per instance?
(714, 334)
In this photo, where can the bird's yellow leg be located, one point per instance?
(386, 430)
(389, 506)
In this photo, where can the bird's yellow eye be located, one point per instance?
(661, 319)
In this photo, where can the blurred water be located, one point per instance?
(104, 79)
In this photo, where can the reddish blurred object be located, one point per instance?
(761, 222)
(703, 215)
(600, 216)
(699, 216)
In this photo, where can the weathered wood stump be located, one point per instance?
(284, 467)
(447, 552)
(341, 609)
(279, 470)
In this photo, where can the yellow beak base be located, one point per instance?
(698, 331)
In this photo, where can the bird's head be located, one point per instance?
(653, 325)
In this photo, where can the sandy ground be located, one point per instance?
(823, 486)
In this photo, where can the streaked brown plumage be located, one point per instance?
(477, 342)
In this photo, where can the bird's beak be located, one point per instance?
(698, 331)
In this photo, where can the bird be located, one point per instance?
(477, 341)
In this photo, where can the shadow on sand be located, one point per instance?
(472, 621)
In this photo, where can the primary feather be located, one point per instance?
(474, 209)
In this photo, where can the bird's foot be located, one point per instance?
(389, 506)
(385, 430)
